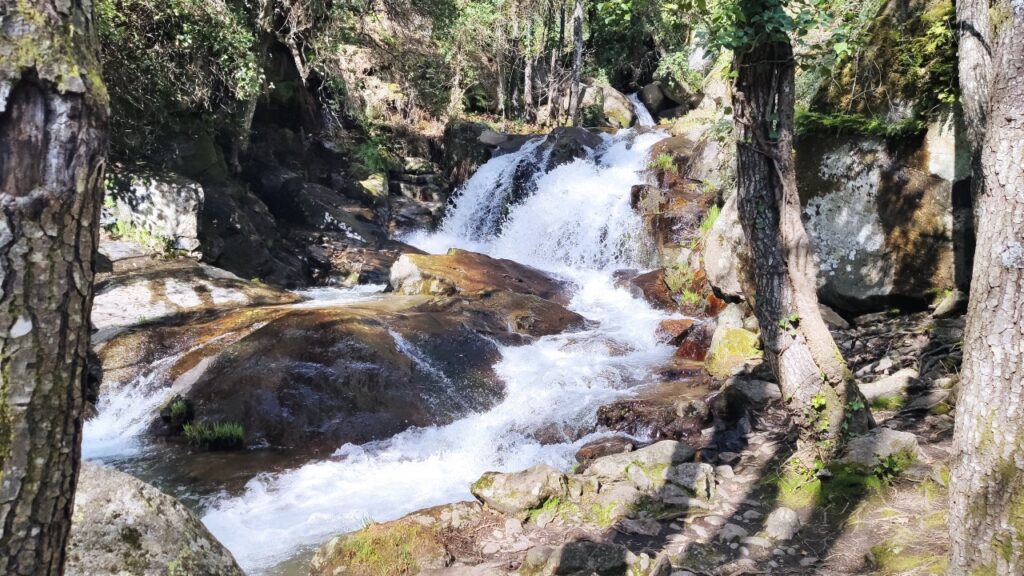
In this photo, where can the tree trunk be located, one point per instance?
(987, 480)
(528, 76)
(814, 378)
(577, 61)
(53, 119)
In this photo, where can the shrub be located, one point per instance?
(215, 436)
(664, 163)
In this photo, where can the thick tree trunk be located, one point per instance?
(577, 61)
(528, 109)
(814, 378)
(53, 118)
(987, 480)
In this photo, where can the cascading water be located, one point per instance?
(577, 224)
(643, 115)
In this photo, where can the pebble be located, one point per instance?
(809, 561)
(715, 520)
(725, 471)
(731, 532)
(757, 541)
(490, 548)
(683, 573)
(751, 515)
(728, 457)
(744, 552)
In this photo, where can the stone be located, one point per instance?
(463, 153)
(866, 450)
(512, 493)
(724, 471)
(832, 318)
(697, 478)
(890, 387)
(673, 331)
(756, 541)
(164, 207)
(144, 289)
(731, 532)
(726, 254)
(741, 394)
(730, 349)
(122, 525)
(652, 98)
(782, 524)
(462, 272)
(650, 462)
(604, 447)
(586, 556)
(644, 527)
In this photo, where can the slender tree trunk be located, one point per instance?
(528, 108)
(814, 378)
(577, 61)
(53, 120)
(987, 480)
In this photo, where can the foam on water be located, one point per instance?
(577, 224)
(643, 116)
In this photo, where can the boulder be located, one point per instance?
(165, 208)
(696, 478)
(726, 255)
(124, 526)
(588, 557)
(879, 218)
(322, 376)
(602, 105)
(864, 451)
(462, 272)
(832, 319)
(512, 493)
(673, 331)
(413, 544)
(730, 349)
(740, 395)
(651, 286)
(652, 97)
(604, 447)
(652, 460)
(463, 150)
(890, 388)
(148, 289)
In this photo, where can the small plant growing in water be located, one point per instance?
(215, 436)
(664, 163)
(179, 408)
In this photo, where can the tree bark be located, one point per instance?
(987, 479)
(53, 119)
(528, 108)
(577, 61)
(815, 381)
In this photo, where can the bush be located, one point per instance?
(215, 436)
(664, 163)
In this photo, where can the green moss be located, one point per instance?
(887, 403)
(549, 507)
(380, 549)
(845, 484)
(602, 516)
(730, 348)
(485, 482)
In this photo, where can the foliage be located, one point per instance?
(215, 436)
(179, 408)
(664, 163)
(856, 124)
(380, 549)
(709, 220)
(163, 59)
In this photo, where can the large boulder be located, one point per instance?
(649, 463)
(868, 450)
(463, 150)
(321, 376)
(124, 526)
(879, 216)
(162, 207)
(144, 287)
(462, 272)
(653, 97)
(517, 492)
(726, 256)
(602, 105)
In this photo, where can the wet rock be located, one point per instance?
(730, 349)
(697, 478)
(866, 450)
(651, 286)
(651, 461)
(462, 150)
(782, 524)
(517, 492)
(604, 447)
(462, 272)
(652, 97)
(674, 331)
(122, 525)
(653, 418)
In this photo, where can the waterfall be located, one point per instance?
(576, 223)
(643, 115)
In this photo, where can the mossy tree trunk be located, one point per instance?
(53, 119)
(817, 385)
(987, 481)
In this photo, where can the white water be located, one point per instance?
(643, 115)
(579, 225)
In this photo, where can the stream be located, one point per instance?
(578, 225)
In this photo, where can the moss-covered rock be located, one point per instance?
(517, 492)
(730, 349)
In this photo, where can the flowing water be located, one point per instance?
(643, 116)
(578, 224)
